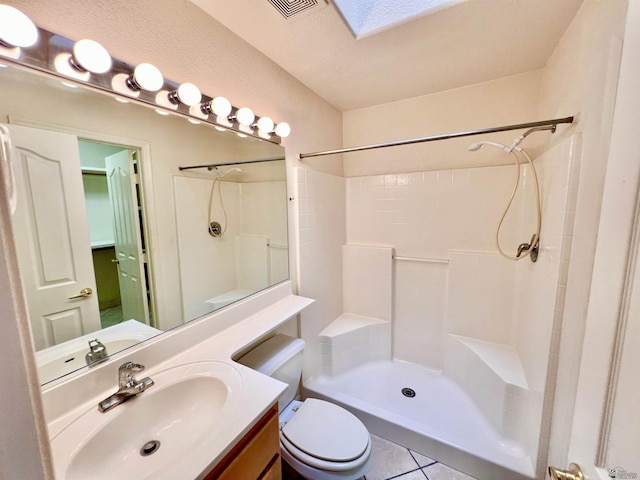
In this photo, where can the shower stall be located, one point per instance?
(441, 344)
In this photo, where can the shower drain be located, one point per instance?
(409, 392)
(150, 448)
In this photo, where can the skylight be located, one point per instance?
(366, 17)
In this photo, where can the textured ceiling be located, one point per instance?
(472, 41)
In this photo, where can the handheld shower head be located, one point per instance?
(231, 170)
(477, 146)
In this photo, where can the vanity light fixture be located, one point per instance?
(186, 93)
(63, 64)
(82, 59)
(90, 56)
(265, 125)
(196, 111)
(245, 116)
(145, 77)
(219, 106)
(283, 129)
(16, 29)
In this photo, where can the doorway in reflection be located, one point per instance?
(109, 175)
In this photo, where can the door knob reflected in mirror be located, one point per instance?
(115, 260)
(85, 292)
(574, 472)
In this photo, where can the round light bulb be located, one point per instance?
(189, 94)
(121, 83)
(265, 124)
(283, 129)
(148, 77)
(221, 107)
(163, 99)
(245, 116)
(196, 111)
(16, 30)
(91, 56)
(64, 65)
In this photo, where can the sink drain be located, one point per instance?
(409, 392)
(150, 448)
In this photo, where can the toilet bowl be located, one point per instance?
(318, 439)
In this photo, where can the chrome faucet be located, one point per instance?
(97, 352)
(128, 386)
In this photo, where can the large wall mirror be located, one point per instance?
(115, 243)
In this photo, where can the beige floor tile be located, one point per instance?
(422, 460)
(389, 460)
(438, 471)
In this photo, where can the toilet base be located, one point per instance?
(299, 471)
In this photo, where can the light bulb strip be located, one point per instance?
(41, 57)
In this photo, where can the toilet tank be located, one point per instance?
(280, 357)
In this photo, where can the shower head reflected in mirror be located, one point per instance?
(231, 170)
(217, 229)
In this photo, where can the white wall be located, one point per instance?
(505, 101)
(186, 47)
(581, 77)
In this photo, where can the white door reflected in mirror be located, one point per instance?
(52, 234)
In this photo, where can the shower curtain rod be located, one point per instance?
(544, 123)
(211, 166)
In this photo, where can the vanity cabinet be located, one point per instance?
(256, 455)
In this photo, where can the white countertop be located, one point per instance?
(258, 394)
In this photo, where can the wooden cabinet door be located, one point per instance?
(256, 455)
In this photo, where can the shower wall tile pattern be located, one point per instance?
(423, 216)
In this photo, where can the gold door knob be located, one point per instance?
(115, 260)
(85, 292)
(574, 472)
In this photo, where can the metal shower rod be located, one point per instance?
(544, 123)
(211, 166)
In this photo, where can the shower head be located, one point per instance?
(231, 170)
(477, 146)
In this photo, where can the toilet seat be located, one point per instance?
(325, 436)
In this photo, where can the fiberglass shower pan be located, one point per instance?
(417, 407)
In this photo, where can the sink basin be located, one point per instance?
(165, 432)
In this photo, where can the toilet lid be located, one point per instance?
(327, 431)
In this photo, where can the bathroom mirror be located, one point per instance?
(114, 241)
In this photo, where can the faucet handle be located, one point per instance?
(131, 367)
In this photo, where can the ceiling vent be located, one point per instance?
(289, 8)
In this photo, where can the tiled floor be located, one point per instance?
(391, 461)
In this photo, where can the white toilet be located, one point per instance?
(318, 439)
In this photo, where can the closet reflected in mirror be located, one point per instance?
(115, 244)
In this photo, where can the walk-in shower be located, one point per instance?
(443, 345)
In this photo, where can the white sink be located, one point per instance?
(67, 357)
(183, 411)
